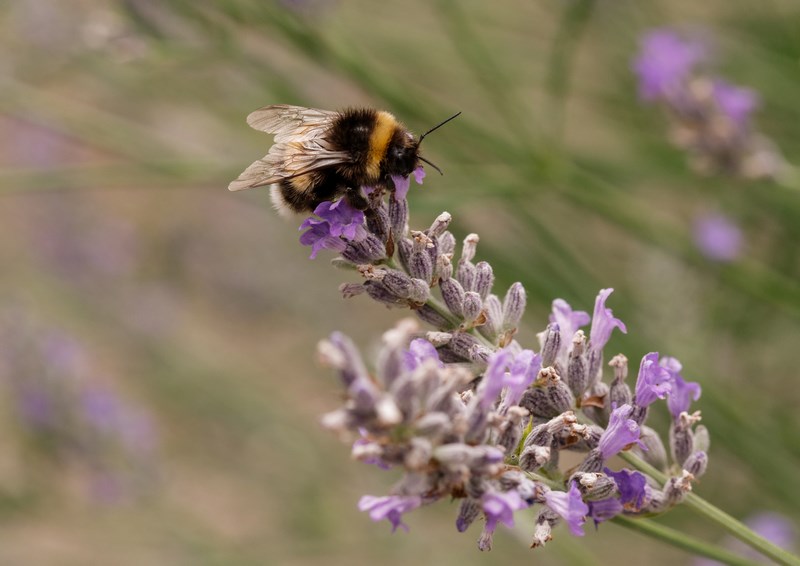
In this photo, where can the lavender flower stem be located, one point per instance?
(681, 540)
(713, 513)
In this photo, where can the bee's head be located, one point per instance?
(402, 155)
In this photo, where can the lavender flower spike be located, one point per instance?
(570, 506)
(621, 432)
(389, 507)
(666, 60)
(603, 322)
(654, 381)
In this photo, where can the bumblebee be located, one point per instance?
(322, 155)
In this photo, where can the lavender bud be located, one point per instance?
(494, 317)
(350, 290)
(702, 441)
(447, 243)
(398, 218)
(467, 513)
(398, 283)
(440, 225)
(639, 413)
(378, 222)
(551, 344)
(419, 454)
(619, 392)
(468, 347)
(484, 279)
(511, 433)
(577, 366)
(544, 528)
(514, 306)
(696, 464)
(681, 437)
(433, 425)
(444, 266)
(472, 306)
(379, 292)
(675, 489)
(534, 457)
(465, 273)
(419, 292)
(453, 295)
(537, 401)
(656, 454)
(438, 339)
(558, 393)
(432, 317)
(469, 248)
(595, 403)
(485, 540)
(594, 486)
(593, 462)
(420, 266)
(595, 364)
(404, 249)
(369, 250)
(390, 363)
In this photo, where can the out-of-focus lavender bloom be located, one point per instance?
(494, 378)
(718, 237)
(570, 506)
(621, 432)
(772, 526)
(682, 393)
(390, 507)
(418, 351)
(665, 61)
(654, 381)
(632, 487)
(735, 102)
(523, 372)
(603, 322)
(67, 413)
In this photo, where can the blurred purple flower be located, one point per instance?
(390, 507)
(772, 526)
(418, 351)
(665, 61)
(718, 237)
(737, 103)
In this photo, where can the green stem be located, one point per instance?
(730, 524)
(681, 540)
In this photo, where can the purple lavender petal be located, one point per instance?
(419, 174)
(418, 351)
(318, 237)
(344, 220)
(737, 103)
(654, 382)
(570, 507)
(390, 507)
(522, 373)
(682, 392)
(401, 185)
(603, 322)
(665, 61)
(604, 509)
(631, 486)
(494, 378)
(500, 507)
(568, 321)
(717, 237)
(621, 432)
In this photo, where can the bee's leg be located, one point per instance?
(356, 198)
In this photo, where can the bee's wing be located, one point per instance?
(291, 123)
(287, 160)
(299, 147)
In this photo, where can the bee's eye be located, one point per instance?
(400, 152)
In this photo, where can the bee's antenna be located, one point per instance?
(436, 127)
(431, 164)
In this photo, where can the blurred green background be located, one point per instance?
(121, 123)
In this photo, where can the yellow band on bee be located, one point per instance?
(385, 125)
